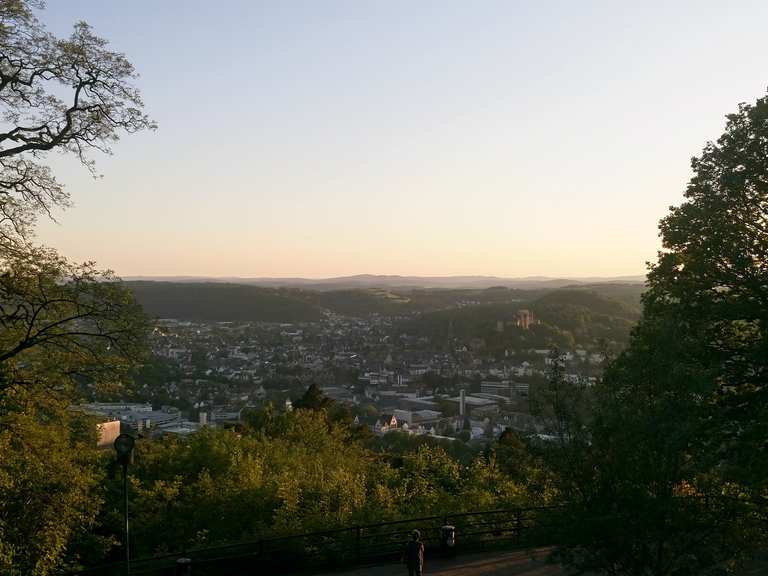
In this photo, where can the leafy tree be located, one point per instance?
(711, 280)
(68, 95)
(49, 475)
(486, 486)
(313, 399)
(429, 479)
(512, 453)
(258, 419)
(61, 322)
(37, 70)
(671, 480)
(62, 325)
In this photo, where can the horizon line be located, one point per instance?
(536, 277)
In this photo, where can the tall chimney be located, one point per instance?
(462, 403)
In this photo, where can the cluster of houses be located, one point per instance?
(479, 415)
(222, 367)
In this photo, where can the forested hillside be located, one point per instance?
(222, 302)
(572, 309)
(566, 317)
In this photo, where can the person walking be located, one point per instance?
(414, 554)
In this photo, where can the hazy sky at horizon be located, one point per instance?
(323, 138)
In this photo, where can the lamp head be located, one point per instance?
(124, 446)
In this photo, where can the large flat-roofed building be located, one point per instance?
(416, 417)
(504, 388)
(471, 402)
(137, 416)
(422, 403)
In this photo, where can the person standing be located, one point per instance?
(414, 554)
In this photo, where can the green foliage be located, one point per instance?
(63, 323)
(49, 479)
(586, 316)
(292, 472)
(647, 536)
(712, 279)
(65, 329)
(313, 399)
(396, 446)
(611, 308)
(673, 478)
(568, 317)
(629, 294)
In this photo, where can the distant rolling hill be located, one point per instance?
(216, 301)
(367, 281)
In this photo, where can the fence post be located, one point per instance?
(183, 567)
(358, 535)
(518, 524)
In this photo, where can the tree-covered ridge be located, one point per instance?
(223, 302)
(568, 317)
(565, 318)
(240, 302)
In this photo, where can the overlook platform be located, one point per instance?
(511, 563)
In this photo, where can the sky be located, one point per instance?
(324, 138)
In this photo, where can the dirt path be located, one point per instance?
(522, 563)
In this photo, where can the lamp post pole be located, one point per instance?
(124, 447)
(125, 517)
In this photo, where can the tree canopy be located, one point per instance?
(673, 479)
(62, 324)
(37, 70)
(69, 95)
(711, 280)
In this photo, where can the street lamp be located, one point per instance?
(124, 447)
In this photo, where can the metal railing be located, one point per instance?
(353, 545)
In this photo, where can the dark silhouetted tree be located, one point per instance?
(676, 465)
(313, 399)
